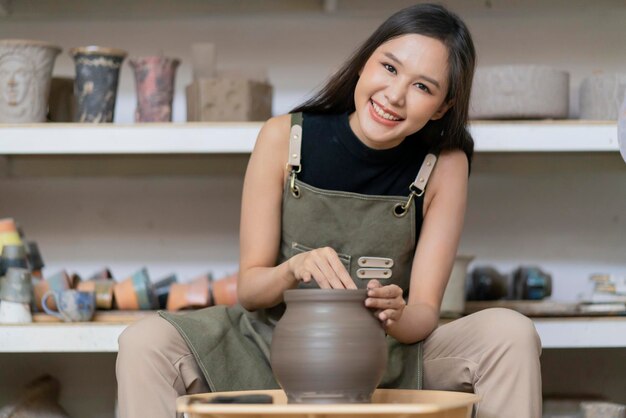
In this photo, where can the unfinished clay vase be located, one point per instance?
(328, 347)
(95, 86)
(154, 77)
(25, 73)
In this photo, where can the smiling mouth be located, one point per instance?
(383, 114)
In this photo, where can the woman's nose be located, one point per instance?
(395, 94)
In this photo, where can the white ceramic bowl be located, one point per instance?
(519, 92)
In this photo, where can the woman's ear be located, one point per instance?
(442, 110)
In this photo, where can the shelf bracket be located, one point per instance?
(5, 8)
(330, 6)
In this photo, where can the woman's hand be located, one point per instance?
(323, 266)
(387, 300)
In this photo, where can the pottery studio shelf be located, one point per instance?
(49, 336)
(239, 137)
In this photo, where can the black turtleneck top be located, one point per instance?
(333, 158)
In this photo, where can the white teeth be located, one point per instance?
(382, 113)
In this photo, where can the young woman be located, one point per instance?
(375, 166)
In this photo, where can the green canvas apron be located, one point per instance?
(375, 237)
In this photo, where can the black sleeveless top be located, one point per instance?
(333, 158)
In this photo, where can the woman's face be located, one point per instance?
(402, 86)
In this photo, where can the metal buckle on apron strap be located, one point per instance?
(295, 145)
(418, 187)
(381, 262)
(374, 273)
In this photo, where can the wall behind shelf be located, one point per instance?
(300, 50)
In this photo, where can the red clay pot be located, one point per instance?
(225, 290)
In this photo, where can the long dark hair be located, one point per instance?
(432, 20)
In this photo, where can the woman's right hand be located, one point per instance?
(323, 266)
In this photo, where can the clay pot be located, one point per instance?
(8, 233)
(194, 294)
(25, 73)
(13, 256)
(17, 286)
(224, 291)
(95, 86)
(154, 78)
(125, 296)
(328, 347)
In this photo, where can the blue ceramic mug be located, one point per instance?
(73, 305)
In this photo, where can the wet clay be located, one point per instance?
(328, 347)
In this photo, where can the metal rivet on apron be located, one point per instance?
(422, 180)
(399, 210)
(362, 273)
(386, 273)
(428, 163)
(295, 137)
(294, 155)
(387, 263)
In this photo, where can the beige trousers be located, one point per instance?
(494, 353)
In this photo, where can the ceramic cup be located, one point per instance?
(14, 313)
(95, 86)
(103, 288)
(195, 294)
(25, 73)
(17, 286)
(8, 233)
(225, 290)
(144, 291)
(33, 255)
(162, 289)
(73, 305)
(154, 77)
(58, 282)
(13, 256)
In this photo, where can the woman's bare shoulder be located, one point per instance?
(275, 131)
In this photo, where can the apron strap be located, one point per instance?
(295, 146)
(418, 187)
(295, 142)
(421, 180)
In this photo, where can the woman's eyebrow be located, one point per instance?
(397, 61)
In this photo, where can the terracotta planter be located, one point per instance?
(328, 347)
(95, 86)
(25, 73)
(154, 77)
(225, 290)
(194, 294)
(125, 296)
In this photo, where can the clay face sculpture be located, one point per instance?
(328, 347)
(25, 72)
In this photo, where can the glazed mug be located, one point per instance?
(57, 282)
(103, 288)
(73, 305)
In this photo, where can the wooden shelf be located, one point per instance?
(86, 337)
(237, 138)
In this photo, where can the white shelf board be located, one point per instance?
(603, 332)
(235, 137)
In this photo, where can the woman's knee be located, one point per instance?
(148, 336)
(509, 328)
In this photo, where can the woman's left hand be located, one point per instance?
(387, 300)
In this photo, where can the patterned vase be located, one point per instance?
(95, 86)
(155, 88)
(25, 73)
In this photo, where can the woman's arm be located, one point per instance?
(444, 211)
(261, 283)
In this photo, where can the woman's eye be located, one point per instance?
(422, 87)
(390, 68)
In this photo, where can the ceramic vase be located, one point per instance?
(95, 85)
(25, 73)
(154, 77)
(328, 347)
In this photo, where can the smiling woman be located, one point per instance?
(372, 196)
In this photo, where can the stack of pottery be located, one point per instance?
(25, 73)
(95, 86)
(16, 291)
(328, 347)
(154, 77)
